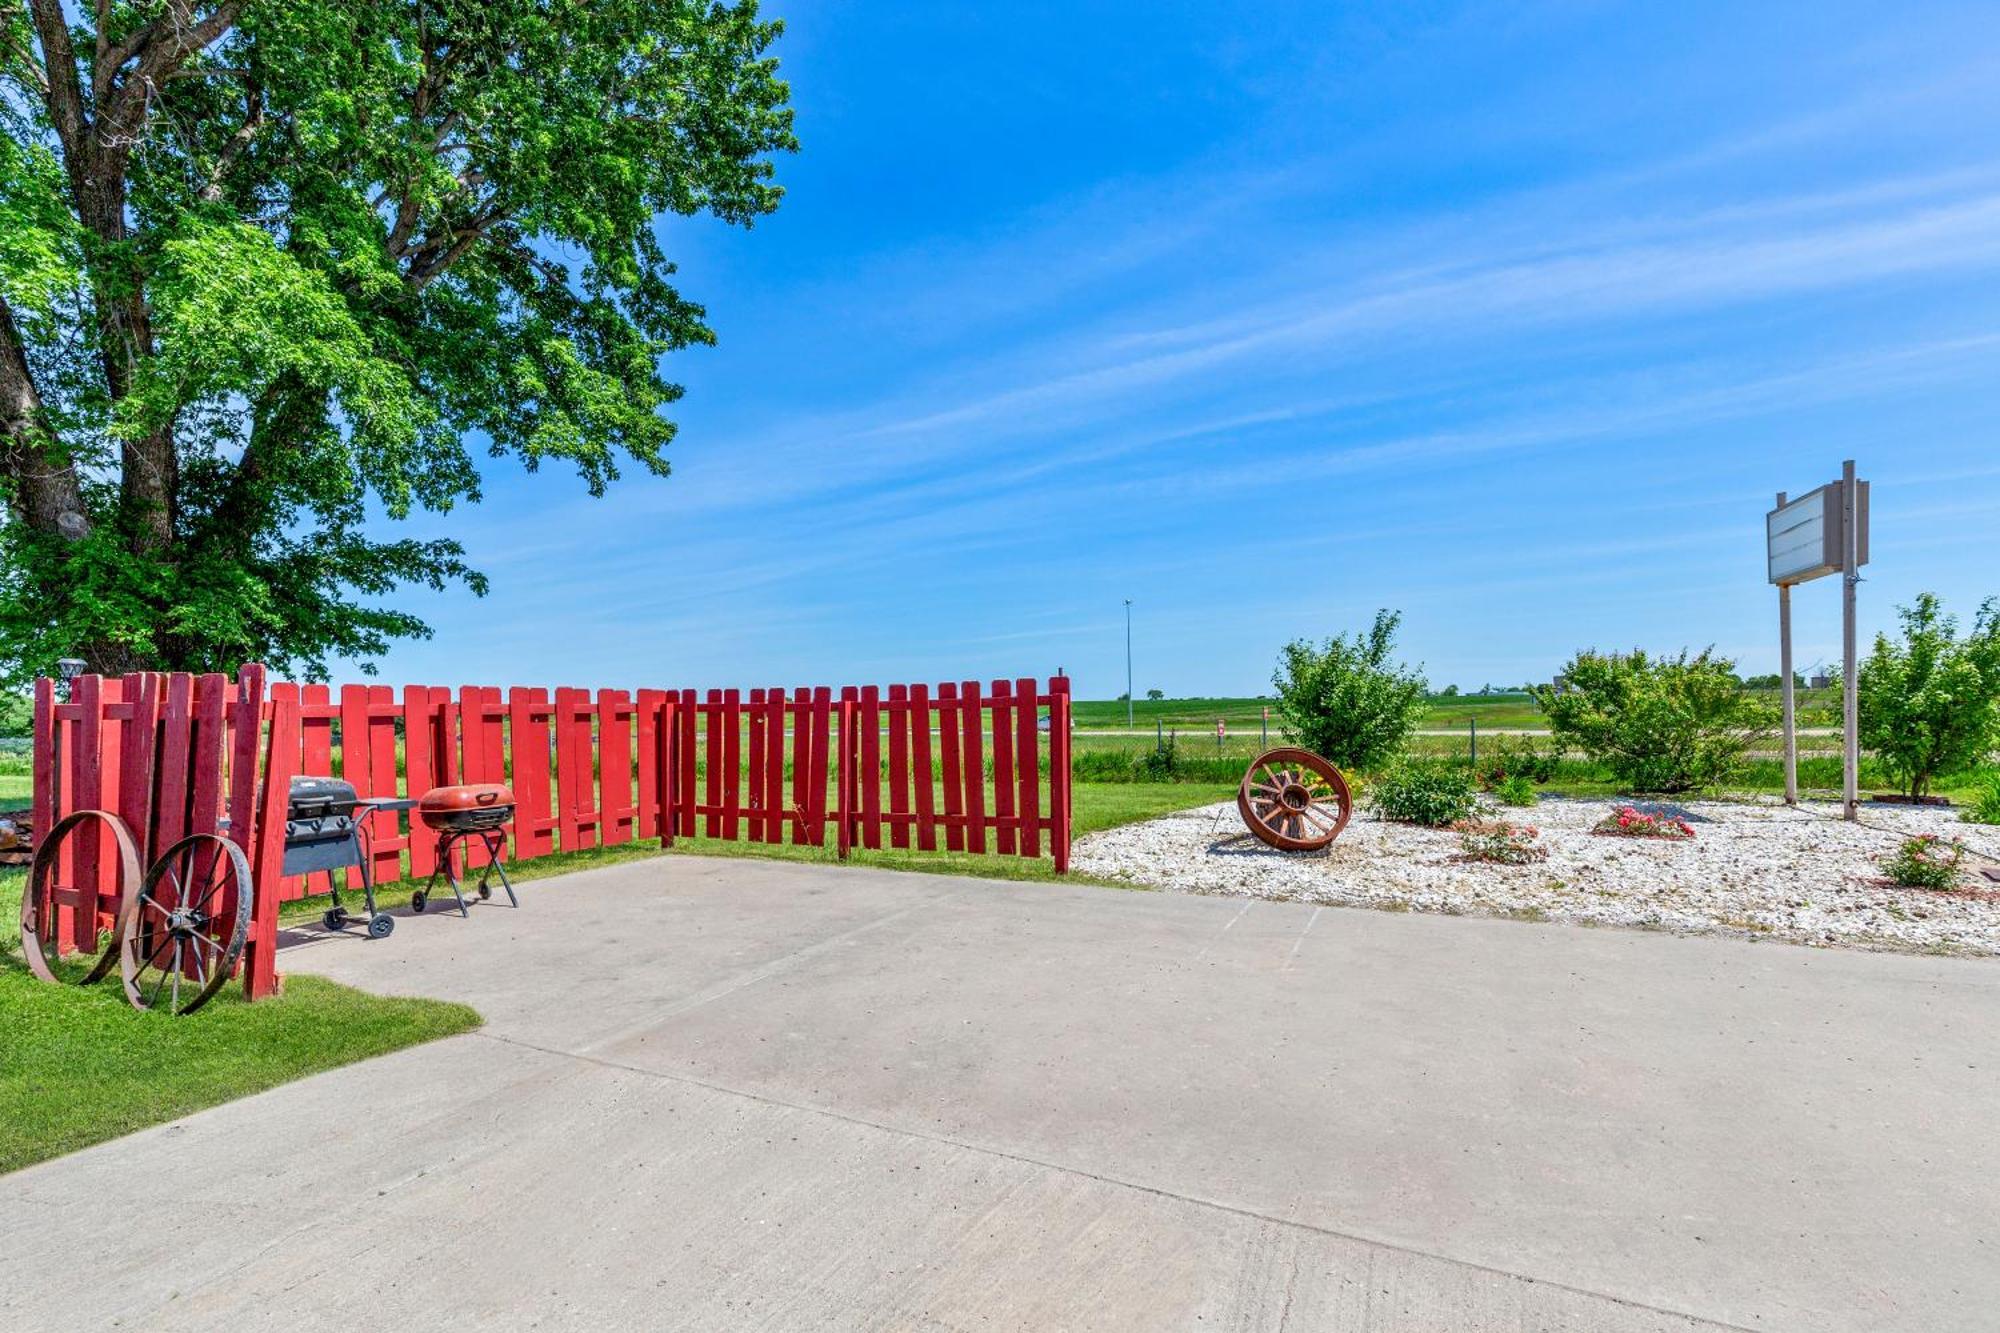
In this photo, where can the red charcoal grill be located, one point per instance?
(460, 815)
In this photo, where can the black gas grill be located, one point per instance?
(325, 825)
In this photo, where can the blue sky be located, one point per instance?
(1511, 316)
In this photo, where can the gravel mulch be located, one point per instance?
(1756, 870)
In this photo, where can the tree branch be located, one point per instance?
(25, 56)
(253, 120)
(61, 90)
(446, 250)
(161, 47)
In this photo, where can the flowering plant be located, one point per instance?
(1926, 861)
(1628, 822)
(1507, 844)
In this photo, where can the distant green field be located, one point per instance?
(1446, 713)
(1443, 712)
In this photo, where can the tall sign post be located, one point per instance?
(1785, 688)
(1824, 531)
(1852, 516)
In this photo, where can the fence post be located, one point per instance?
(1028, 763)
(1059, 778)
(281, 762)
(844, 781)
(86, 793)
(668, 757)
(244, 745)
(1473, 722)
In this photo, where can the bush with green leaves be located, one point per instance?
(1984, 808)
(1433, 793)
(1517, 756)
(1661, 724)
(1925, 862)
(1930, 701)
(1345, 699)
(1516, 790)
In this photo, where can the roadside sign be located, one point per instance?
(1824, 531)
(1805, 539)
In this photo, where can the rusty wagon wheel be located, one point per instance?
(182, 932)
(1294, 800)
(39, 917)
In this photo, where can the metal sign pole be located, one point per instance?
(1128, 662)
(1850, 541)
(1785, 677)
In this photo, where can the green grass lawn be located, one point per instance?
(80, 1066)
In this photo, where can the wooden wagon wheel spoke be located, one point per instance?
(42, 896)
(1294, 800)
(190, 928)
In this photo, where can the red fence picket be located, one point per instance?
(178, 754)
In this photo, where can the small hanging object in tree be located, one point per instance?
(1294, 800)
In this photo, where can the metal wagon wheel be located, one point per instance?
(39, 917)
(182, 932)
(1294, 800)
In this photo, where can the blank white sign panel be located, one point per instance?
(1798, 534)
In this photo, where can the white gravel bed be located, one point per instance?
(1756, 870)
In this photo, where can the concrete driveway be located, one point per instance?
(720, 1094)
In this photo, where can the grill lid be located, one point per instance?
(468, 806)
(316, 798)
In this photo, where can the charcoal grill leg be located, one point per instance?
(494, 840)
(450, 875)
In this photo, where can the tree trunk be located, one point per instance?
(149, 469)
(44, 492)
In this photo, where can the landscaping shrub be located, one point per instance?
(1930, 704)
(1627, 822)
(1430, 793)
(1500, 842)
(1346, 700)
(1158, 763)
(1516, 791)
(1985, 805)
(1518, 756)
(1667, 724)
(1926, 862)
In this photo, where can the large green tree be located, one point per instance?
(1930, 703)
(266, 265)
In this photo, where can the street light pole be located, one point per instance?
(1128, 663)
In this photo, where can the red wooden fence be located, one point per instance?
(178, 754)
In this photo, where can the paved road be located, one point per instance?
(719, 1094)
